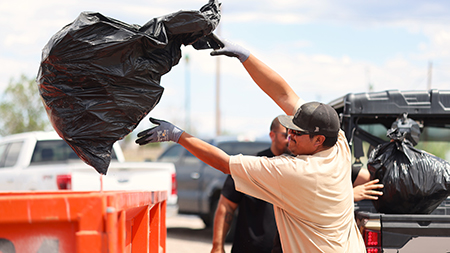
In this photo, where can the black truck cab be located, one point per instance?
(365, 119)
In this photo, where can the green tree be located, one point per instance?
(21, 108)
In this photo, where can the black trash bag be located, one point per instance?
(99, 77)
(415, 182)
(405, 129)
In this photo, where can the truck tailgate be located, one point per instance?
(126, 176)
(399, 229)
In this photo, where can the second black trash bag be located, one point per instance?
(99, 77)
(415, 182)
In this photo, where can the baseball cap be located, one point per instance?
(313, 118)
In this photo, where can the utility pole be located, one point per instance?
(430, 70)
(218, 130)
(187, 108)
(369, 82)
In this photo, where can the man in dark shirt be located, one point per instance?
(255, 227)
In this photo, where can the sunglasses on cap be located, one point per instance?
(298, 133)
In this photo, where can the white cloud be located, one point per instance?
(346, 60)
(27, 26)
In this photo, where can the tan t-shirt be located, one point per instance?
(312, 197)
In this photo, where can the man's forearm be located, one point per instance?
(222, 222)
(206, 152)
(272, 84)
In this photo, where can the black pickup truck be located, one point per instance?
(366, 117)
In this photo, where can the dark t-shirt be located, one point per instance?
(355, 171)
(255, 227)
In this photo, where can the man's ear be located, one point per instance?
(272, 135)
(319, 140)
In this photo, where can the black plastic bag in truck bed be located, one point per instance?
(415, 182)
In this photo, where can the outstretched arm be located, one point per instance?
(272, 84)
(265, 77)
(206, 152)
(165, 131)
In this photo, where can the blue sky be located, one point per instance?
(324, 49)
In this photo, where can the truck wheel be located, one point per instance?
(206, 220)
(6, 246)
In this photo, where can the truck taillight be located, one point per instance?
(373, 250)
(372, 239)
(174, 184)
(64, 182)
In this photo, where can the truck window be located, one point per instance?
(9, 153)
(377, 130)
(3, 154)
(172, 154)
(434, 140)
(56, 151)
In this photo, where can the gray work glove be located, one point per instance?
(165, 131)
(230, 49)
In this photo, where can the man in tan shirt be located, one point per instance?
(311, 191)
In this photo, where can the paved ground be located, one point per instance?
(187, 234)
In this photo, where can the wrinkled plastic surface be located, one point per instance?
(415, 182)
(405, 129)
(99, 77)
